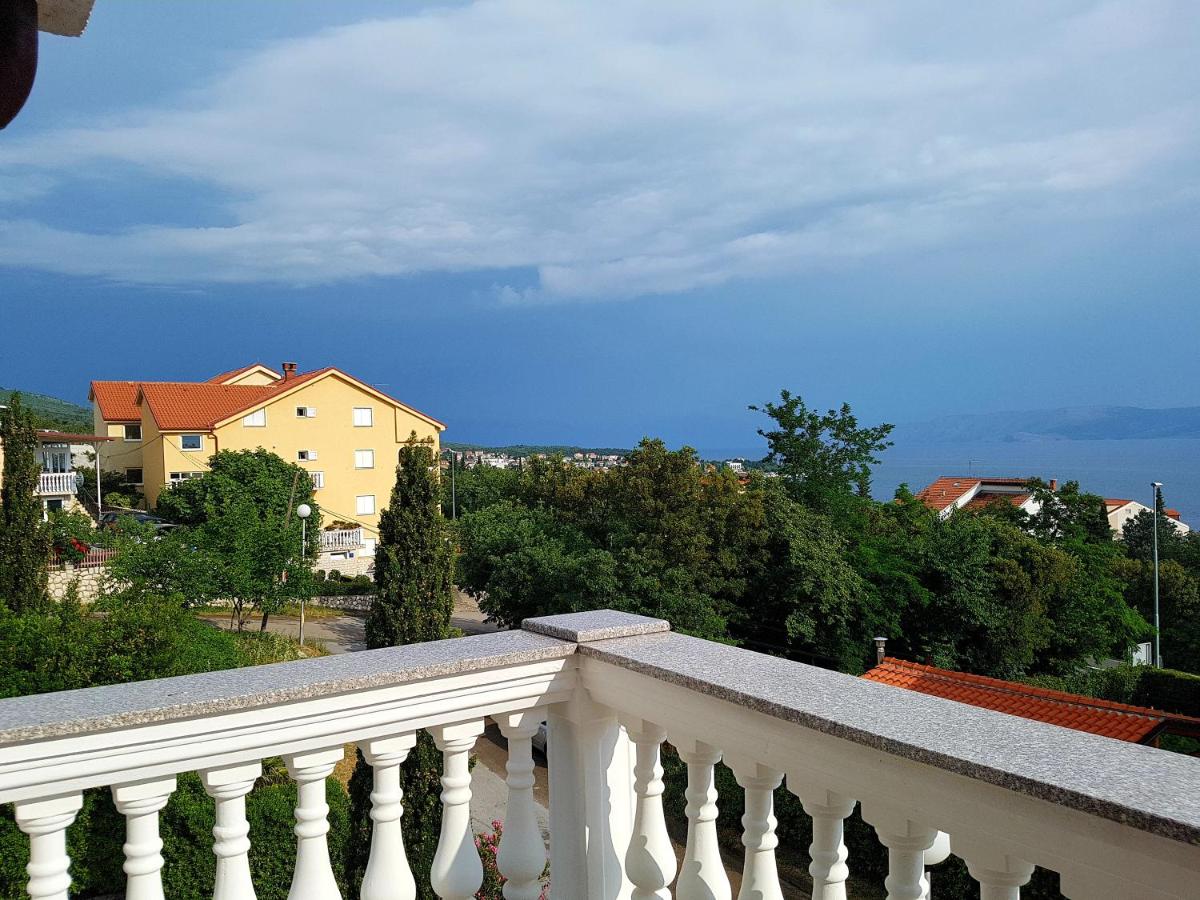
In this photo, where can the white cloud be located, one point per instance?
(628, 148)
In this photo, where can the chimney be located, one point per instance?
(880, 649)
(1054, 484)
(289, 370)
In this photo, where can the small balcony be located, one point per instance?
(930, 775)
(336, 540)
(56, 483)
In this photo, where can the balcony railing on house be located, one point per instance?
(1116, 820)
(93, 558)
(341, 539)
(56, 483)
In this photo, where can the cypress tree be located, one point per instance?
(413, 603)
(24, 538)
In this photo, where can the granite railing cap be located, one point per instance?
(1143, 787)
(596, 625)
(107, 708)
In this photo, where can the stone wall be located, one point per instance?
(359, 565)
(87, 582)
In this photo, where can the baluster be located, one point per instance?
(46, 821)
(522, 856)
(907, 842)
(457, 871)
(828, 810)
(312, 879)
(650, 860)
(760, 878)
(231, 842)
(139, 802)
(999, 873)
(388, 876)
(702, 874)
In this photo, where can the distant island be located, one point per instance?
(1068, 423)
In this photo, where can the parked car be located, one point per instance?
(109, 518)
(540, 738)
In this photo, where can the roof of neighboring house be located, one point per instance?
(1170, 513)
(1104, 717)
(64, 437)
(180, 405)
(987, 498)
(946, 490)
(1112, 503)
(201, 405)
(117, 400)
(234, 373)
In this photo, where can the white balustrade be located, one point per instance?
(341, 539)
(57, 483)
(312, 879)
(140, 802)
(702, 872)
(760, 877)
(650, 860)
(457, 871)
(231, 832)
(522, 855)
(612, 688)
(827, 852)
(46, 821)
(388, 876)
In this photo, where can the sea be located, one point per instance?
(1114, 468)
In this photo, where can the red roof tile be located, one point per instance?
(1103, 717)
(945, 491)
(180, 405)
(233, 373)
(987, 498)
(117, 400)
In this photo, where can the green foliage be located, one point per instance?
(817, 454)
(24, 537)
(241, 540)
(477, 488)
(67, 646)
(413, 560)
(50, 412)
(71, 533)
(413, 572)
(1165, 689)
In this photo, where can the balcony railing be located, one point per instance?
(1116, 820)
(341, 539)
(56, 483)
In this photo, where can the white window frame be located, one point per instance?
(306, 412)
(306, 455)
(370, 416)
(256, 419)
(359, 505)
(358, 460)
(318, 480)
(133, 440)
(199, 449)
(176, 477)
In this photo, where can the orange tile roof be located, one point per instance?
(180, 405)
(66, 437)
(987, 498)
(117, 400)
(945, 491)
(233, 373)
(1112, 503)
(1104, 717)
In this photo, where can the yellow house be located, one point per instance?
(343, 432)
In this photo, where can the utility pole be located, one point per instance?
(453, 485)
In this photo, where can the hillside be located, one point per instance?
(50, 412)
(1071, 423)
(531, 449)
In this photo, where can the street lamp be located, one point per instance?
(1155, 486)
(303, 511)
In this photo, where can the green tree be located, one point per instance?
(240, 540)
(1068, 515)
(414, 575)
(821, 455)
(24, 537)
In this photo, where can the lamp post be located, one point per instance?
(1155, 486)
(303, 511)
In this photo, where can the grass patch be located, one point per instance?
(258, 648)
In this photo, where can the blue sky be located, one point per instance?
(587, 223)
